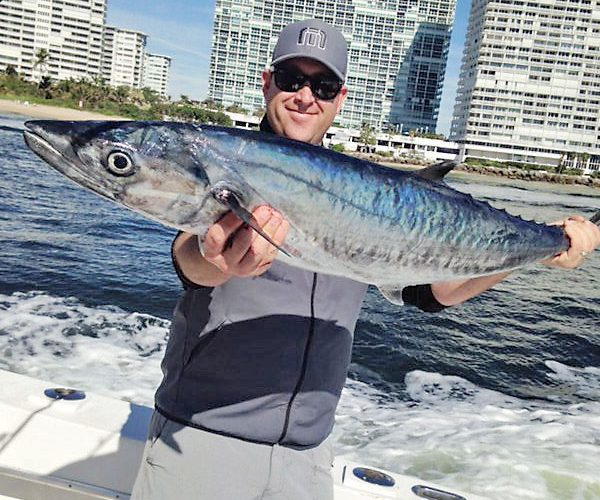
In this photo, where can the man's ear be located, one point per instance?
(341, 97)
(266, 82)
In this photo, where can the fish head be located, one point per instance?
(146, 166)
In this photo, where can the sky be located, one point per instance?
(182, 29)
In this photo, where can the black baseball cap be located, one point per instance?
(316, 40)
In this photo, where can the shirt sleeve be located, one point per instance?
(187, 284)
(422, 297)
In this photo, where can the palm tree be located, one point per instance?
(121, 94)
(151, 96)
(585, 158)
(367, 137)
(236, 108)
(571, 155)
(41, 61)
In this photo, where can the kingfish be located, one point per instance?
(347, 216)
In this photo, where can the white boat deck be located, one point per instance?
(90, 448)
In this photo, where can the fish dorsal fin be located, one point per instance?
(437, 172)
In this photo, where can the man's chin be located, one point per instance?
(299, 135)
(301, 132)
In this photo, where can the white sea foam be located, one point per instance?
(102, 349)
(584, 382)
(477, 440)
(447, 429)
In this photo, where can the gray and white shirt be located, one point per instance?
(262, 359)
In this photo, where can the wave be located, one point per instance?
(104, 348)
(453, 432)
(443, 427)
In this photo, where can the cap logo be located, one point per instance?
(312, 37)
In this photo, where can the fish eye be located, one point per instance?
(119, 163)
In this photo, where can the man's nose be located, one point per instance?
(304, 94)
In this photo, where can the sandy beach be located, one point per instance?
(50, 112)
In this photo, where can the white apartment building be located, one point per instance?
(70, 31)
(397, 54)
(397, 145)
(123, 56)
(529, 87)
(156, 73)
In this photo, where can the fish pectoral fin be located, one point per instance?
(394, 295)
(436, 172)
(228, 198)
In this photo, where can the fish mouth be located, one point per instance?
(36, 139)
(42, 138)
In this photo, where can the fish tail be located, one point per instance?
(596, 218)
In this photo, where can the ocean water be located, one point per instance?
(500, 396)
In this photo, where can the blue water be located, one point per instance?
(504, 386)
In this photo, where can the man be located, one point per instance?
(259, 350)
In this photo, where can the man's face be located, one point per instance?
(300, 115)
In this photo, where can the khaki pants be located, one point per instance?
(183, 463)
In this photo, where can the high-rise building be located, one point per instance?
(529, 87)
(55, 38)
(123, 56)
(156, 73)
(397, 54)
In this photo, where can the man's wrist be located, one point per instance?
(191, 266)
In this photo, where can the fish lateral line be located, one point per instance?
(229, 199)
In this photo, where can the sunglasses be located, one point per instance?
(322, 86)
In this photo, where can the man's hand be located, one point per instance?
(584, 237)
(237, 250)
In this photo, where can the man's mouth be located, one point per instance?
(297, 112)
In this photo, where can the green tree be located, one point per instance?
(210, 103)
(45, 86)
(561, 163)
(584, 157)
(121, 94)
(151, 96)
(10, 70)
(367, 136)
(42, 56)
(236, 108)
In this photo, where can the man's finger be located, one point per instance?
(243, 240)
(261, 246)
(215, 239)
(279, 236)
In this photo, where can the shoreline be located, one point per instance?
(509, 173)
(44, 111)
